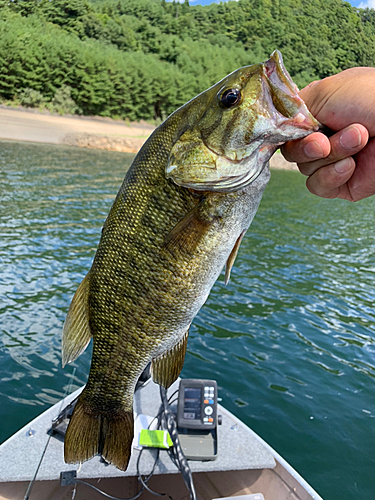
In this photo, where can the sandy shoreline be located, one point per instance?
(96, 132)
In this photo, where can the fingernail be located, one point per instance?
(313, 150)
(343, 166)
(351, 138)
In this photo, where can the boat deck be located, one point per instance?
(238, 449)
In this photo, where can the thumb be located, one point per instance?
(312, 97)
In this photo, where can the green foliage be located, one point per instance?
(31, 98)
(69, 14)
(63, 102)
(140, 59)
(102, 79)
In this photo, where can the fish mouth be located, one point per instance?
(233, 154)
(285, 96)
(284, 117)
(286, 112)
(276, 72)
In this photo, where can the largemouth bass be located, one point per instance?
(178, 219)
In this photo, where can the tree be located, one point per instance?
(143, 58)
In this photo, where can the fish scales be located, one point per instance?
(181, 212)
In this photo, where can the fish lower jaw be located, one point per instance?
(291, 130)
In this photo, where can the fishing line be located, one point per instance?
(140, 478)
(143, 481)
(177, 449)
(106, 494)
(75, 485)
(32, 482)
(171, 396)
(146, 480)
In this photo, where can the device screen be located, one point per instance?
(192, 403)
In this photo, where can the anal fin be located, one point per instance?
(166, 368)
(232, 257)
(76, 331)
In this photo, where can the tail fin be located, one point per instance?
(90, 433)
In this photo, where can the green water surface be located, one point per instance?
(290, 340)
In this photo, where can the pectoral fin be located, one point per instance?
(166, 368)
(188, 233)
(232, 257)
(76, 331)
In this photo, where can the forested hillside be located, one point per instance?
(141, 59)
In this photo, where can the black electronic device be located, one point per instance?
(197, 404)
(197, 419)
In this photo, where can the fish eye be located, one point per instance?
(230, 98)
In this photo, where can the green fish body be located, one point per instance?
(179, 217)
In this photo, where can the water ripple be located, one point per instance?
(290, 340)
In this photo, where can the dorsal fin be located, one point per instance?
(76, 331)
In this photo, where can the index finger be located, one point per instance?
(308, 152)
(344, 144)
(313, 147)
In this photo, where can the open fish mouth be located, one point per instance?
(285, 95)
(276, 72)
(284, 117)
(288, 119)
(279, 116)
(254, 110)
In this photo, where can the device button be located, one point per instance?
(210, 420)
(208, 410)
(210, 401)
(206, 401)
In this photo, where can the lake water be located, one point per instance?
(290, 340)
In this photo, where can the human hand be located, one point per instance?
(342, 166)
